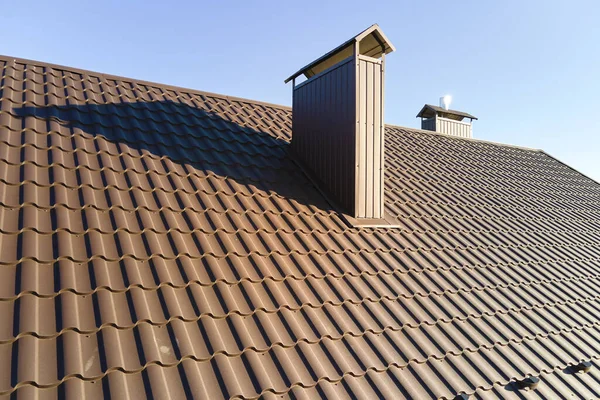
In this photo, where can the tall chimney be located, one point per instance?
(337, 122)
(443, 120)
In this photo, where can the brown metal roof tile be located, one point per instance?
(160, 241)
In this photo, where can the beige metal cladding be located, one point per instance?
(448, 126)
(369, 138)
(454, 128)
(324, 123)
(449, 122)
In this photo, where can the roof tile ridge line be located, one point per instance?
(419, 361)
(272, 390)
(273, 231)
(389, 273)
(491, 206)
(43, 64)
(558, 183)
(554, 371)
(477, 195)
(514, 146)
(144, 207)
(223, 281)
(570, 167)
(451, 353)
(492, 185)
(472, 164)
(396, 365)
(292, 252)
(483, 388)
(407, 325)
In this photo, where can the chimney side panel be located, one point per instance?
(324, 130)
(370, 139)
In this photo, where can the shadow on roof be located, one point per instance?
(207, 141)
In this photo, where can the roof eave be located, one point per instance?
(429, 107)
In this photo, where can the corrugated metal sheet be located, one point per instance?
(454, 128)
(324, 130)
(159, 242)
(370, 139)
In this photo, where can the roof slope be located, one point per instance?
(159, 240)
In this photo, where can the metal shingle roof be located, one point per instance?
(159, 241)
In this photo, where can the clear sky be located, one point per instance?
(528, 69)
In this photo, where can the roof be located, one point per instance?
(160, 241)
(373, 43)
(429, 111)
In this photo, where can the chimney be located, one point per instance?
(444, 120)
(337, 123)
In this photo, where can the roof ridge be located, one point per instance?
(141, 81)
(417, 130)
(571, 168)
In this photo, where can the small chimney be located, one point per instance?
(337, 122)
(444, 120)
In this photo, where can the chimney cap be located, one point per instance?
(429, 111)
(372, 42)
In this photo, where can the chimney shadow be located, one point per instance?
(198, 141)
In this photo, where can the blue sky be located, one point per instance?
(527, 69)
